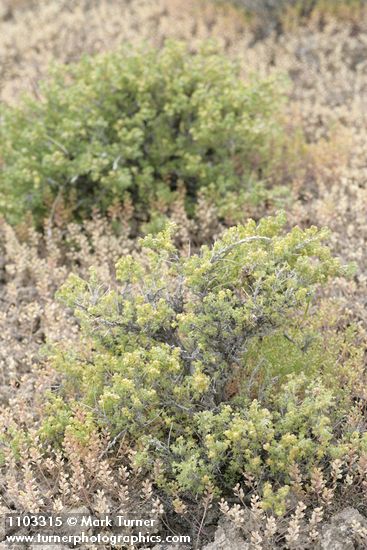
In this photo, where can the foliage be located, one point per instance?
(139, 125)
(175, 359)
(277, 9)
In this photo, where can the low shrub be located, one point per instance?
(211, 365)
(139, 127)
(280, 15)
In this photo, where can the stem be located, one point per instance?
(226, 250)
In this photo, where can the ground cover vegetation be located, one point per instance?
(204, 371)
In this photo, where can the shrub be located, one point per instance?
(304, 8)
(139, 125)
(210, 365)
